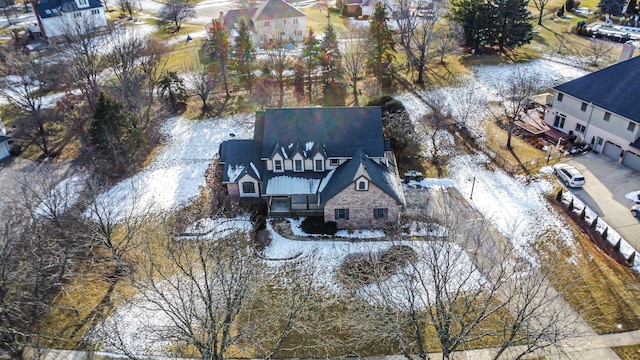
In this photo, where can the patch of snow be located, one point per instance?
(326, 180)
(426, 229)
(62, 197)
(432, 183)
(547, 170)
(360, 234)
(255, 169)
(633, 196)
(174, 177)
(284, 184)
(234, 171)
(214, 229)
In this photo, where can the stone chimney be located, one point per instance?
(627, 51)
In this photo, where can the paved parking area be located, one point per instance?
(607, 182)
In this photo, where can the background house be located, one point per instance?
(600, 108)
(57, 17)
(330, 162)
(4, 142)
(273, 19)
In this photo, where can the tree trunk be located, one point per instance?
(540, 17)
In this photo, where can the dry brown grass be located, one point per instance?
(628, 352)
(604, 292)
(497, 142)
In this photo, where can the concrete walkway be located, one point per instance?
(591, 349)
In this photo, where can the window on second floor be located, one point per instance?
(319, 165)
(295, 21)
(583, 107)
(277, 165)
(580, 128)
(631, 127)
(362, 185)
(607, 116)
(266, 24)
(560, 96)
(248, 187)
(297, 165)
(82, 2)
(334, 162)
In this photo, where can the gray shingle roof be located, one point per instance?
(240, 157)
(360, 165)
(276, 9)
(51, 8)
(613, 88)
(234, 16)
(341, 130)
(4, 138)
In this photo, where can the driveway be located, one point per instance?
(607, 182)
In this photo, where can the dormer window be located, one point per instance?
(319, 165)
(297, 163)
(277, 165)
(362, 185)
(334, 162)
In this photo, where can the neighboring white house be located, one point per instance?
(4, 142)
(602, 109)
(272, 19)
(57, 17)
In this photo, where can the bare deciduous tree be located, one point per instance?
(354, 56)
(599, 50)
(177, 12)
(445, 40)
(202, 83)
(128, 6)
(279, 58)
(516, 90)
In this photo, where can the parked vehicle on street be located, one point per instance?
(569, 175)
(635, 210)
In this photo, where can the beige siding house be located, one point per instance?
(601, 109)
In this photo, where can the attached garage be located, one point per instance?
(611, 150)
(631, 160)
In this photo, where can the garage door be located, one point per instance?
(631, 160)
(611, 150)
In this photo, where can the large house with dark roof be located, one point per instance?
(602, 109)
(273, 19)
(57, 17)
(332, 162)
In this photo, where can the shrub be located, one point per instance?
(561, 11)
(358, 11)
(387, 103)
(605, 233)
(616, 247)
(569, 5)
(559, 195)
(316, 225)
(583, 213)
(259, 221)
(571, 205)
(632, 258)
(594, 223)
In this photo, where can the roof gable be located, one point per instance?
(339, 132)
(360, 166)
(612, 88)
(50, 8)
(276, 9)
(240, 158)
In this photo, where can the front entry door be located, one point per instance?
(598, 145)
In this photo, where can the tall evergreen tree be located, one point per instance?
(631, 8)
(381, 42)
(611, 7)
(512, 27)
(114, 133)
(311, 59)
(474, 17)
(330, 57)
(219, 50)
(244, 55)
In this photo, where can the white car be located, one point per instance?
(569, 175)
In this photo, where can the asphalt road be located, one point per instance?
(607, 183)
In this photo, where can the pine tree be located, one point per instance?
(631, 8)
(632, 258)
(611, 7)
(311, 58)
(512, 27)
(594, 223)
(583, 213)
(114, 133)
(244, 55)
(330, 57)
(171, 88)
(569, 4)
(474, 17)
(605, 233)
(571, 205)
(381, 43)
(616, 247)
(559, 195)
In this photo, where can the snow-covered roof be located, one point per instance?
(291, 185)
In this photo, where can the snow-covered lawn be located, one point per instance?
(174, 177)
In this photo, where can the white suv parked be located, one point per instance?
(569, 175)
